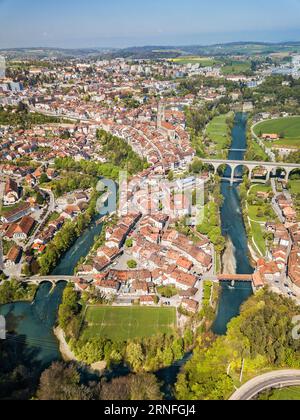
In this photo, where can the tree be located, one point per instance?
(62, 382)
(171, 176)
(129, 243)
(44, 178)
(140, 387)
(135, 356)
(132, 264)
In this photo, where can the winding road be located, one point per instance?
(271, 380)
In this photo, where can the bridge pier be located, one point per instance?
(232, 178)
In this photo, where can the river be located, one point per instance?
(234, 229)
(33, 323)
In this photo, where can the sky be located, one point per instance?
(123, 23)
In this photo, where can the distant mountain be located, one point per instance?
(234, 48)
(52, 53)
(156, 52)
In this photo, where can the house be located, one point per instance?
(190, 305)
(182, 280)
(11, 192)
(273, 137)
(20, 231)
(258, 280)
(140, 287)
(184, 264)
(149, 300)
(109, 288)
(290, 214)
(294, 268)
(81, 285)
(269, 270)
(17, 214)
(13, 257)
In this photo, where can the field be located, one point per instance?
(256, 222)
(286, 394)
(203, 61)
(236, 68)
(218, 132)
(123, 323)
(295, 186)
(288, 128)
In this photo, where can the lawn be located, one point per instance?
(218, 132)
(261, 188)
(286, 394)
(253, 209)
(258, 237)
(289, 128)
(203, 61)
(124, 323)
(295, 186)
(236, 68)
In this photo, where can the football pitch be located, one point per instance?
(124, 323)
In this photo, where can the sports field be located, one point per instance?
(123, 323)
(288, 128)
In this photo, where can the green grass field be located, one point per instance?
(203, 61)
(258, 237)
(218, 133)
(288, 127)
(124, 323)
(260, 188)
(295, 186)
(286, 394)
(236, 68)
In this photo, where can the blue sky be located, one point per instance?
(121, 23)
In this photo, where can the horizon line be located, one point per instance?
(154, 45)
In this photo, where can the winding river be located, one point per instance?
(234, 229)
(33, 323)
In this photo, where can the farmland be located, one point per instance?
(287, 128)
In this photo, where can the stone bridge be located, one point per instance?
(53, 279)
(270, 167)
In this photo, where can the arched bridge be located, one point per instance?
(251, 165)
(53, 279)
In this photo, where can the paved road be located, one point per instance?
(51, 208)
(278, 379)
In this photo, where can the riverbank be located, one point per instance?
(69, 356)
(64, 348)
